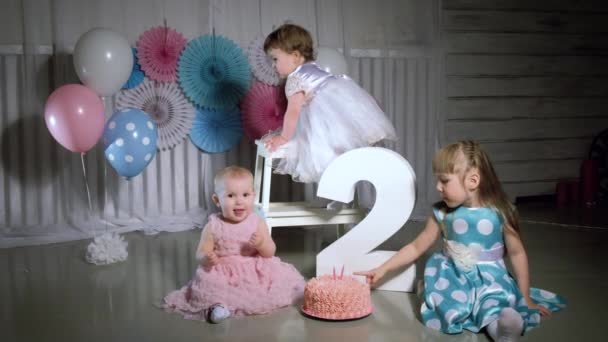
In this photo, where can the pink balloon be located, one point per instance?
(74, 115)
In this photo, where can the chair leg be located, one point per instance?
(261, 186)
(266, 183)
(257, 175)
(340, 230)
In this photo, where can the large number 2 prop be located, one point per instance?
(394, 181)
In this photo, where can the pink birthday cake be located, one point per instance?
(337, 298)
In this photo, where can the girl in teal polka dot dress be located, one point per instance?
(467, 286)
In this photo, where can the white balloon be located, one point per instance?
(103, 60)
(331, 60)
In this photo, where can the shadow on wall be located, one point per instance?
(61, 71)
(29, 154)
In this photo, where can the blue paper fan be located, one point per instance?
(215, 131)
(214, 72)
(137, 76)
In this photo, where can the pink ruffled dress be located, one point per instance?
(244, 281)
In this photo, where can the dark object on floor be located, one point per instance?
(589, 182)
(599, 152)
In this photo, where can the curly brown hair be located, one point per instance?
(291, 38)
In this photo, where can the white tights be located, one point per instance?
(507, 328)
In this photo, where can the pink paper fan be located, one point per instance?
(158, 51)
(262, 109)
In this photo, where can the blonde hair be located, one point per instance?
(291, 38)
(230, 172)
(459, 158)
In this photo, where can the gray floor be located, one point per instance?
(49, 293)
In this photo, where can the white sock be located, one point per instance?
(507, 328)
(218, 313)
(335, 205)
(319, 202)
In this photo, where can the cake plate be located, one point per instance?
(334, 318)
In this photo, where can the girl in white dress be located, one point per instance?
(326, 115)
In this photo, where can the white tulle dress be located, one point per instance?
(337, 116)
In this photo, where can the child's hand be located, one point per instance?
(273, 143)
(372, 276)
(256, 240)
(211, 259)
(543, 310)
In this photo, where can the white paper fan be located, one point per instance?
(261, 65)
(166, 105)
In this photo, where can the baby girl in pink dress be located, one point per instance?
(238, 272)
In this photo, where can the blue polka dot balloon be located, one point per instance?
(129, 140)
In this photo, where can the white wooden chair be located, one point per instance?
(284, 214)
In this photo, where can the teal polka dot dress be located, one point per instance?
(467, 284)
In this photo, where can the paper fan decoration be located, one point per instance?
(261, 64)
(166, 105)
(137, 76)
(158, 50)
(213, 72)
(263, 108)
(216, 131)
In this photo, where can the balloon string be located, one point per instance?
(105, 194)
(105, 172)
(86, 184)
